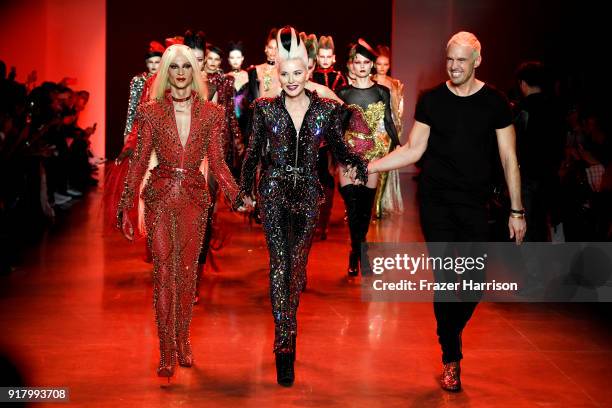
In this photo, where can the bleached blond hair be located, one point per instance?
(162, 83)
(468, 39)
(290, 46)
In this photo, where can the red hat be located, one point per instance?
(154, 46)
(155, 50)
(174, 40)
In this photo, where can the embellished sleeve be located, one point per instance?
(215, 157)
(341, 151)
(389, 124)
(400, 105)
(136, 87)
(397, 103)
(258, 133)
(129, 144)
(139, 162)
(234, 136)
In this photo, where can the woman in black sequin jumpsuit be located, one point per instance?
(289, 190)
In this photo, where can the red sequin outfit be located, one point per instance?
(329, 77)
(223, 85)
(176, 205)
(114, 180)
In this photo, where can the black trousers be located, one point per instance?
(536, 196)
(288, 227)
(453, 218)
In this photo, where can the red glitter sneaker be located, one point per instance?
(451, 380)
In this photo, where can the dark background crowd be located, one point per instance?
(564, 150)
(45, 160)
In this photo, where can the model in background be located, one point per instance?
(325, 164)
(138, 91)
(197, 42)
(140, 87)
(212, 69)
(325, 74)
(389, 195)
(263, 78)
(287, 131)
(379, 137)
(223, 87)
(235, 58)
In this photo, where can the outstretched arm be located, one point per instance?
(323, 91)
(407, 154)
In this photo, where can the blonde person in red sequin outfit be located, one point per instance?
(178, 129)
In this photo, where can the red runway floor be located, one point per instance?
(78, 313)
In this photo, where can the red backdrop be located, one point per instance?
(60, 38)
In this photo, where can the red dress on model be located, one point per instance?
(176, 201)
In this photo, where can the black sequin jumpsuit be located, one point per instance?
(290, 193)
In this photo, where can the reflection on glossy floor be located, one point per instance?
(79, 313)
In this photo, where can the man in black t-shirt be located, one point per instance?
(457, 124)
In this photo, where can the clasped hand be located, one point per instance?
(248, 204)
(351, 172)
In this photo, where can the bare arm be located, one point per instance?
(407, 154)
(506, 143)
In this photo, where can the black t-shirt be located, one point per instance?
(540, 137)
(459, 155)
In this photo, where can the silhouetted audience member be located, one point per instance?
(44, 157)
(586, 180)
(540, 141)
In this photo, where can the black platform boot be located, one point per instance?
(349, 195)
(365, 204)
(285, 373)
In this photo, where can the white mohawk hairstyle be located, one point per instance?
(290, 46)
